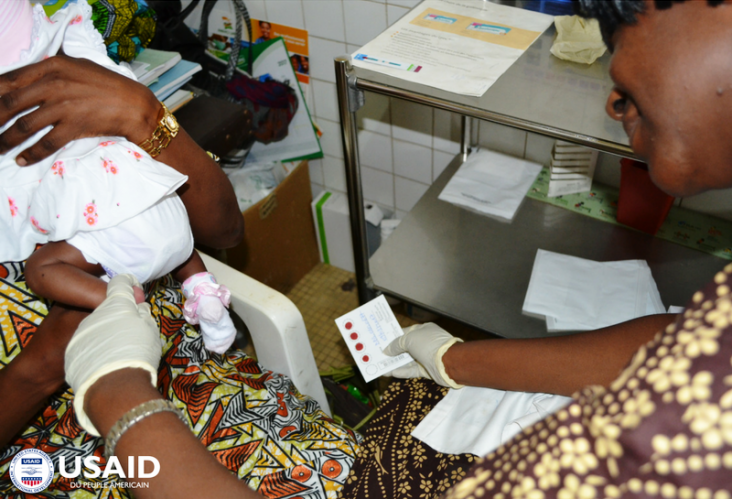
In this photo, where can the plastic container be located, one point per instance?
(641, 205)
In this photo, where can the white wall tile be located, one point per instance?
(375, 150)
(539, 148)
(375, 115)
(326, 104)
(322, 53)
(316, 171)
(413, 161)
(440, 160)
(287, 12)
(352, 48)
(394, 13)
(503, 139)
(401, 214)
(255, 7)
(446, 131)
(378, 187)
(411, 122)
(324, 19)
(334, 173)
(408, 193)
(718, 203)
(316, 189)
(364, 21)
(404, 3)
(331, 140)
(607, 170)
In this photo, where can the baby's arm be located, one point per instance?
(58, 271)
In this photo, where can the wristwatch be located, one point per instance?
(167, 129)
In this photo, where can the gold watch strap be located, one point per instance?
(166, 130)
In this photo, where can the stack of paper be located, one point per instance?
(571, 169)
(574, 294)
(491, 184)
(150, 64)
(178, 99)
(174, 78)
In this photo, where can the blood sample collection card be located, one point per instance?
(367, 331)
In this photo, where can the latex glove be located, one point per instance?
(426, 343)
(117, 335)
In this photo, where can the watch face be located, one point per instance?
(171, 123)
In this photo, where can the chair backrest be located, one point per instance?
(277, 329)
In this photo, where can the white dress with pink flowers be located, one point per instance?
(106, 196)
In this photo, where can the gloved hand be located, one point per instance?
(426, 343)
(117, 335)
(206, 304)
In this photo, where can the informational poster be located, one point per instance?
(296, 41)
(459, 46)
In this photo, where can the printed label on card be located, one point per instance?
(367, 331)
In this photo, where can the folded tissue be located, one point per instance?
(578, 39)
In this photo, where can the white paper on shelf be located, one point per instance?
(459, 46)
(491, 184)
(575, 294)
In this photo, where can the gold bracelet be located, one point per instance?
(166, 130)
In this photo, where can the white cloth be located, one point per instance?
(91, 185)
(477, 420)
(148, 246)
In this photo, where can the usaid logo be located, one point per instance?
(31, 471)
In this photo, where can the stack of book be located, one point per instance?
(165, 73)
(571, 169)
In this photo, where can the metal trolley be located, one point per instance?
(475, 269)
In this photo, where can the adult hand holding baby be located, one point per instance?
(68, 91)
(119, 334)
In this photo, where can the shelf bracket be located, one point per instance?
(356, 96)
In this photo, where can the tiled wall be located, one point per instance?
(403, 146)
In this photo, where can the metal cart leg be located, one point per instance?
(350, 100)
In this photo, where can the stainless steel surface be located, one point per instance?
(348, 104)
(476, 269)
(539, 93)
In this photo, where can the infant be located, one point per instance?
(100, 206)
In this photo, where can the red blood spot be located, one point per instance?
(365, 358)
(354, 336)
(359, 346)
(349, 325)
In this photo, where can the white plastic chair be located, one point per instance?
(276, 326)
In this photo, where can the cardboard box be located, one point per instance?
(279, 245)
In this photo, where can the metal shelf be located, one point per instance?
(476, 269)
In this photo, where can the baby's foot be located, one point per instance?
(139, 294)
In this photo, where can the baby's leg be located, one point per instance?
(58, 271)
(206, 303)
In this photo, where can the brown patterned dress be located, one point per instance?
(663, 429)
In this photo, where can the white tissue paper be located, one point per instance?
(491, 184)
(486, 418)
(575, 294)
